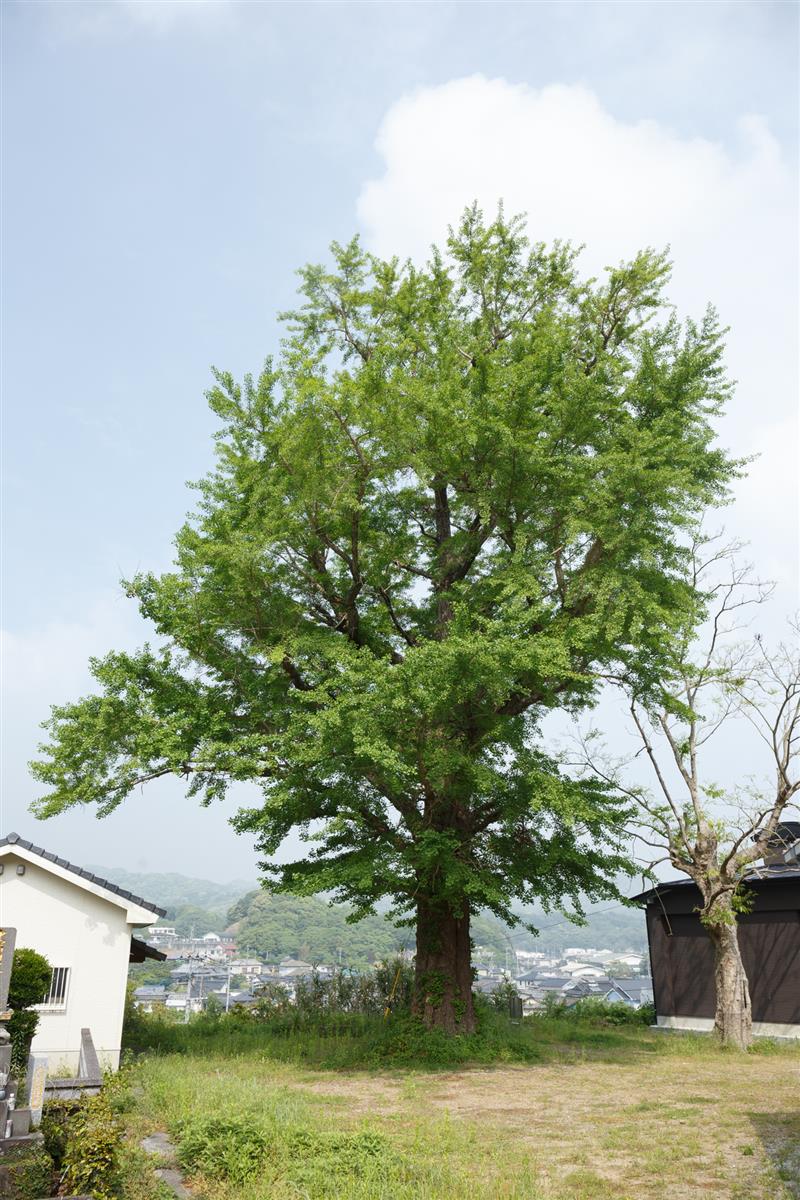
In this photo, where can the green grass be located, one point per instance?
(341, 1041)
(551, 1109)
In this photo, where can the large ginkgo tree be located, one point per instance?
(457, 500)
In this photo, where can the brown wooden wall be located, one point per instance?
(682, 956)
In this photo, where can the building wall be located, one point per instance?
(770, 1029)
(72, 928)
(682, 957)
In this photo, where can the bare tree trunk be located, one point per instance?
(443, 975)
(733, 1021)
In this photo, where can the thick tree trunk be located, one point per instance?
(443, 976)
(733, 1022)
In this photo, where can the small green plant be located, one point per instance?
(238, 1149)
(28, 1172)
(232, 1148)
(329, 1152)
(595, 1011)
(503, 994)
(554, 1005)
(92, 1150)
(30, 978)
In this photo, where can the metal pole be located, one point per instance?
(228, 989)
(188, 998)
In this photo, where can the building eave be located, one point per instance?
(138, 910)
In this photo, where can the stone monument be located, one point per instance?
(17, 1139)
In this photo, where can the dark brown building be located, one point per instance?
(682, 956)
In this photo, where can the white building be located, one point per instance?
(83, 926)
(251, 968)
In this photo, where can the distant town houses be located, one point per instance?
(211, 968)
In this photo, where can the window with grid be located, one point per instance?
(56, 996)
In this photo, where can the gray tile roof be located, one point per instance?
(759, 875)
(13, 839)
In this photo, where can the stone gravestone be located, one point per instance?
(7, 939)
(34, 1086)
(15, 1123)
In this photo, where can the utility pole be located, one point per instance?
(228, 989)
(188, 997)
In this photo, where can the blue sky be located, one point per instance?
(167, 167)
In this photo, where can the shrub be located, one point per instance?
(273, 1001)
(92, 1144)
(389, 985)
(30, 979)
(502, 995)
(26, 1173)
(230, 1148)
(236, 1149)
(601, 1012)
(554, 1006)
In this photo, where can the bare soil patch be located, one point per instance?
(674, 1128)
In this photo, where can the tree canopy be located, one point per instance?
(455, 502)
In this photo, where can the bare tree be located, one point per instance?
(715, 835)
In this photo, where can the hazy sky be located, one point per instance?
(168, 166)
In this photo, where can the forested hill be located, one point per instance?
(317, 931)
(310, 928)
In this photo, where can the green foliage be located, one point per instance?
(85, 1141)
(330, 1039)
(389, 986)
(191, 921)
(742, 900)
(22, 1027)
(621, 928)
(92, 1156)
(222, 1149)
(236, 1149)
(30, 979)
(26, 1172)
(273, 1001)
(621, 970)
(55, 1120)
(503, 994)
(306, 927)
(459, 498)
(150, 972)
(593, 1011)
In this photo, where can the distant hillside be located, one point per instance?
(312, 928)
(610, 927)
(173, 891)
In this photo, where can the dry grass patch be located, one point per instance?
(685, 1127)
(612, 1116)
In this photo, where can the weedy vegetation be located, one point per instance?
(580, 1104)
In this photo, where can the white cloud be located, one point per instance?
(729, 215)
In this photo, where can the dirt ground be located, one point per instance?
(667, 1129)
